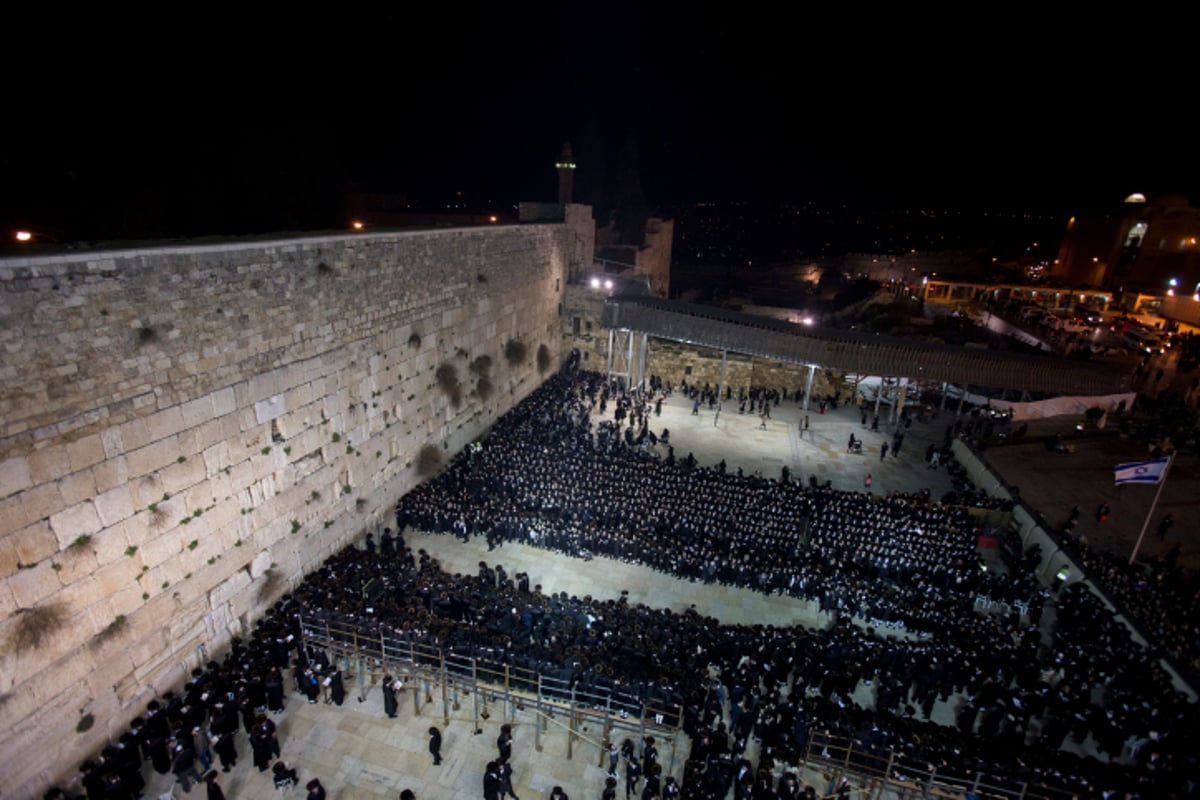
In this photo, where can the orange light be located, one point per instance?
(358, 226)
(493, 218)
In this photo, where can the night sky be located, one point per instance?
(715, 109)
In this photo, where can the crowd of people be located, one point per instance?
(1162, 597)
(896, 576)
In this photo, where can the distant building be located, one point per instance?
(1150, 246)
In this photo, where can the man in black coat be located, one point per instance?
(389, 697)
(435, 745)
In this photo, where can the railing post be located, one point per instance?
(537, 717)
(358, 662)
(571, 726)
(887, 775)
(475, 694)
(511, 716)
(445, 700)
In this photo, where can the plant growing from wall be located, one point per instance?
(34, 627)
(111, 631)
(85, 723)
(158, 515)
(271, 583)
(514, 352)
(484, 388)
(481, 366)
(429, 460)
(447, 380)
(543, 358)
(146, 335)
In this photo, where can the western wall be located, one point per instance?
(187, 430)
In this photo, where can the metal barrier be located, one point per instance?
(879, 772)
(490, 685)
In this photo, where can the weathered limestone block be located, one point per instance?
(14, 476)
(271, 408)
(85, 452)
(77, 487)
(71, 523)
(46, 464)
(33, 585)
(153, 457)
(111, 473)
(34, 542)
(75, 564)
(223, 402)
(114, 505)
(183, 475)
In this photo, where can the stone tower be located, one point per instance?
(566, 175)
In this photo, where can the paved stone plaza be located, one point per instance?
(358, 753)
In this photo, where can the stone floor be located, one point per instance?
(358, 753)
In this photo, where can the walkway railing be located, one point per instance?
(877, 773)
(493, 686)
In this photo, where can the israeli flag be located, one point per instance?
(1140, 471)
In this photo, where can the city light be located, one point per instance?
(358, 226)
(595, 283)
(29, 236)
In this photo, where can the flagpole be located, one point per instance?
(1145, 525)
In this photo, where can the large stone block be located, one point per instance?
(85, 452)
(14, 476)
(165, 423)
(111, 544)
(75, 564)
(77, 487)
(183, 475)
(114, 505)
(8, 557)
(153, 457)
(34, 542)
(48, 464)
(114, 444)
(78, 520)
(111, 473)
(196, 412)
(223, 402)
(270, 408)
(31, 586)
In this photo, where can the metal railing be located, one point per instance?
(879, 772)
(490, 684)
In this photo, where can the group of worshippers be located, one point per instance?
(224, 706)
(1021, 690)
(544, 479)
(1161, 596)
(1020, 693)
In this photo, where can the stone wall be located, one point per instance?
(186, 431)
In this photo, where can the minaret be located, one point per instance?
(566, 175)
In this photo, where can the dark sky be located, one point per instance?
(719, 108)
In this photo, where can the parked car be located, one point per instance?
(1145, 341)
